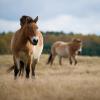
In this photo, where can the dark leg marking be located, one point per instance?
(33, 67)
(27, 71)
(60, 60)
(70, 60)
(16, 70)
(21, 71)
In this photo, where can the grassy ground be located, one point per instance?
(66, 82)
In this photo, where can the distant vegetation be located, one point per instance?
(91, 43)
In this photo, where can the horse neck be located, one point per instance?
(23, 38)
(21, 41)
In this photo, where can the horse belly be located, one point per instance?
(62, 52)
(23, 56)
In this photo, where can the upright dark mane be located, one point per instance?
(25, 19)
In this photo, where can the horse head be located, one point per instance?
(76, 45)
(29, 28)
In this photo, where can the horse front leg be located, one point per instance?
(21, 71)
(27, 70)
(16, 68)
(28, 65)
(70, 60)
(33, 67)
(75, 61)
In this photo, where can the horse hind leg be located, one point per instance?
(75, 62)
(21, 71)
(16, 68)
(52, 59)
(60, 60)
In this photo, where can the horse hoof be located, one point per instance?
(33, 77)
(75, 64)
(15, 77)
(27, 76)
(70, 63)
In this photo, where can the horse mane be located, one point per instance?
(27, 19)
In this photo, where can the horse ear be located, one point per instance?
(36, 19)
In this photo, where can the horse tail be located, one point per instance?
(49, 59)
(10, 69)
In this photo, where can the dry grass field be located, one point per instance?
(66, 82)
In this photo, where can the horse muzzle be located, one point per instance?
(35, 41)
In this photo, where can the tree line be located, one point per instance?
(91, 43)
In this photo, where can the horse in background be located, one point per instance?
(65, 50)
(26, 46)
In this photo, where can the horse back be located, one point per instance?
(60, 48)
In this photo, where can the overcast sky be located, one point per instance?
(54, 15)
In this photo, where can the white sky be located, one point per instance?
(54, 15)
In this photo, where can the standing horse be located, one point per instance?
(26, 46)
(65, 49)
(24, 19)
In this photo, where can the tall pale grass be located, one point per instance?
(66, 82)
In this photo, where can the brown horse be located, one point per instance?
(26, 46)
(24, 19)
(65, 49)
